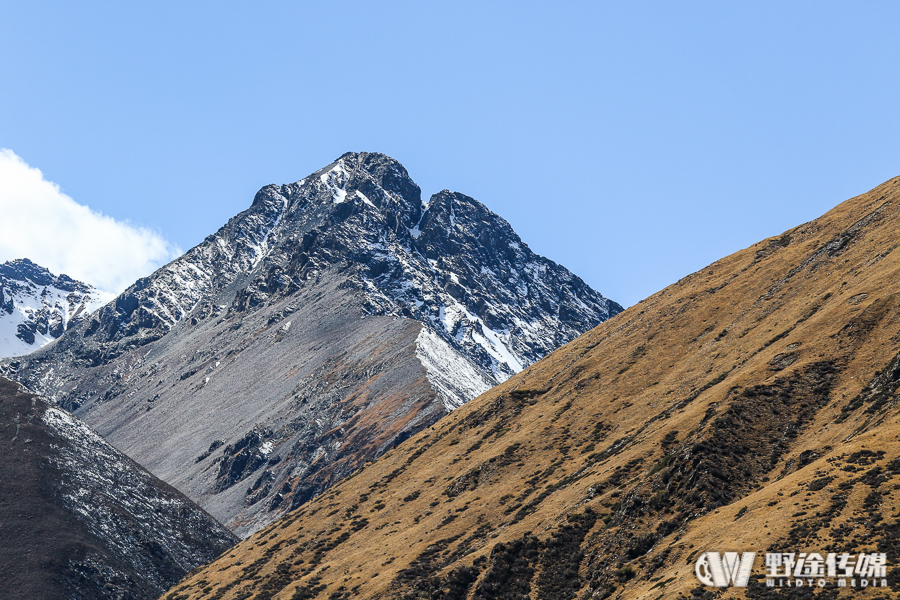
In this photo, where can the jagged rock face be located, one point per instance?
(451, 264)
(329, 321)
(37, 307)
(81, 520)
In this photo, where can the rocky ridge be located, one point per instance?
(331, 320)
(36, 307)
(82, 521)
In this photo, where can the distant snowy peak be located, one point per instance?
(36, 307)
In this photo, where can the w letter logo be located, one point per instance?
(721, 570)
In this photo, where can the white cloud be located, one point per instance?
(39, 222)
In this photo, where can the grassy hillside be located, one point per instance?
(750, 406)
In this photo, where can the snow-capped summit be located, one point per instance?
(36, 307)
(450, 264)
(329, 321)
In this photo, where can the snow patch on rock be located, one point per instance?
(455, 378)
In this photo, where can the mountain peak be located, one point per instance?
(329, 321)
(37, 307)
(24, 270)
(367, 180)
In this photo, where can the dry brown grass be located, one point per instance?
(732, 389)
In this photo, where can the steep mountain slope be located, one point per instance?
(334, 318)
(80, 520)
(752, 406)
(37, 307)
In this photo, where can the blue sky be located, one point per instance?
(632, 142)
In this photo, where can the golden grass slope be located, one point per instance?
(750, 406)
